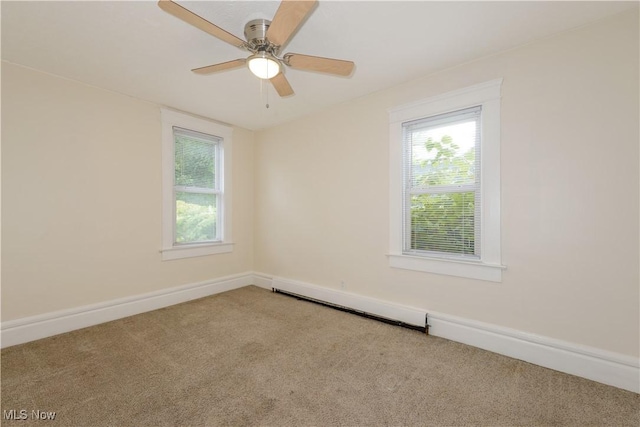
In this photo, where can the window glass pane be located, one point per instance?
(443, 223)
(444, 154)
(196, 217)
(195, 160)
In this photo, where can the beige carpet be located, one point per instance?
(252, 357)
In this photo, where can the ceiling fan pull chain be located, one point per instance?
(267, 92)
(264, 94)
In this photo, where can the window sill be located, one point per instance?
(473, 270)
(190, 251)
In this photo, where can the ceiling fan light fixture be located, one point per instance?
(263, 65)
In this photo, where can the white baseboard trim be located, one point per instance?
(587, 362)
(32, 328)
(262, 280)
(592, 363)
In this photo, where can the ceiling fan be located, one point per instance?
(264, 40)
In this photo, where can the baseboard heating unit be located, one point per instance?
(360, 313)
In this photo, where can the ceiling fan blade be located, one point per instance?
(199, 22)
(282, 85)
(320, 64)
(237, 63)
(289, 16)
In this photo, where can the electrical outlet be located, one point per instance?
(343, 285)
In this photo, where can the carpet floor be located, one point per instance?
(253, 357)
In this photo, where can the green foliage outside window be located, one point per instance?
(196, 212)
(194, 162)
(196, 216)
(444, 222)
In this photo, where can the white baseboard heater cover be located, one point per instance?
(407, 317)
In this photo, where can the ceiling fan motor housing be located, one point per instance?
(255, 32)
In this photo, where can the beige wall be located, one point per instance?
(81, 198)
(569, 193)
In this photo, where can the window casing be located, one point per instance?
(196, 160)
(445, 184)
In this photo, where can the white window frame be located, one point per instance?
(170, 250)
(489, 266)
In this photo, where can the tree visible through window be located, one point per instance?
(442, 184)
(196, 187)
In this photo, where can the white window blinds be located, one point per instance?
(442, 200)
(197, 189)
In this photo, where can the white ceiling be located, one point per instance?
(135, 48)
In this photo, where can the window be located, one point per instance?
(442, 185)
(196, 187)
(445, 184)
(196, 184)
